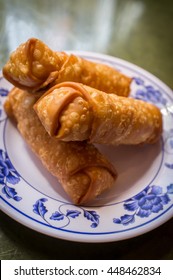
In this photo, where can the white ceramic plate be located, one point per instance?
(141, 199)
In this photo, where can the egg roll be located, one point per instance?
(33, 66)
(75, 112)
(81, 169)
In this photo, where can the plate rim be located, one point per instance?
(77, 238)
(95, 239)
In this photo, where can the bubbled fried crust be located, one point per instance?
(96, 75)
(34, 66)
(72, 111)
(82, 171)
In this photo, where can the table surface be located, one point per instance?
(137, 31)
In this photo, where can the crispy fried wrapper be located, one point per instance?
(75, 112)
(81, 169)
(33, 66)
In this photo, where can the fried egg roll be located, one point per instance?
(82, 170)
(75, 112)
(33, 66)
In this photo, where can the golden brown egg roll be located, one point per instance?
(75, 112)
(81, 169)
(34, 66)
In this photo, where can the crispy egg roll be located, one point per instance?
(33, 66)
(75, 112)
(81, 169)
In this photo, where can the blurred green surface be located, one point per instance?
(138, 31)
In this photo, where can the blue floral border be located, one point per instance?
(8, 174)
(149, 201)
(149, 93)
(40, 209)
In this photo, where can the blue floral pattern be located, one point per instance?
(3, 93)
(40, 209)
(150, 200)
(148, 93)
(57, 216)
(92, 216)
(143, 206)
(169, 165)
(8, 175)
